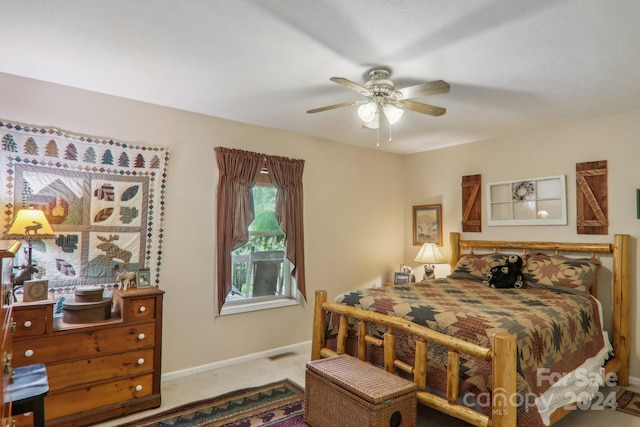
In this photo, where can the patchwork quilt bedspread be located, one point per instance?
(556, 332)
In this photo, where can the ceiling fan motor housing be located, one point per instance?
(380, 86)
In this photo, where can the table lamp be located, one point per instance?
(30, 224)
(429, 255)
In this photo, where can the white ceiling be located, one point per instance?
(513, 65)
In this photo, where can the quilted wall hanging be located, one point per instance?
(104, 199)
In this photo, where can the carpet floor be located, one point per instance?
(279, 404)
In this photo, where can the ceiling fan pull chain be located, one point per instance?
(390, 133)
(378, 137)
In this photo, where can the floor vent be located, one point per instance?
(281, 355)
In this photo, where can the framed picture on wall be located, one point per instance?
(427, 224)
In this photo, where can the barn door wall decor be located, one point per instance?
(472, 203)
(592, 199)
(104, 199)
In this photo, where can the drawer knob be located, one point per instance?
(141, 361)
(28, 353)
(138, 387)
(142, 309)
(27, 324)
(141, 336)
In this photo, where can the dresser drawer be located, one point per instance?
(142, 308)
(78, 372)
(137, 309)
(82, 344)
(84, 399)
(31, 320)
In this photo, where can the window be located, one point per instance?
(261, 272)
(536, 201)
(260, 250)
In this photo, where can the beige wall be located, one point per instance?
(435, 177)
(355, 203)
(353, 212)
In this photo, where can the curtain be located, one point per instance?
(286, 176)
(237, 174)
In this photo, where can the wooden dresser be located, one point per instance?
(97, 370)
(8, 249)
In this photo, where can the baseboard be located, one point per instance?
(300, 347)
(634, 381)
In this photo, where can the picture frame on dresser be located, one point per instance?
(427, 224)
(401, 278)
(35, 290)
(143, 279)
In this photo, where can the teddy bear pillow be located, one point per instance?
(507, 275)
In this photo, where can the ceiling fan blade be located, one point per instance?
(424, 89)
(331, 107)
(432, 110)
(351, 85)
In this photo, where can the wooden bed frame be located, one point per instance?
(503, 353)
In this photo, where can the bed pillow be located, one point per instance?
(476, 267)
(560, 273)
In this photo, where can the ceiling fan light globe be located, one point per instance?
(392, 113)
(374, 123)
(368, 111)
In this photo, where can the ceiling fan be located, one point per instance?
(383, 97)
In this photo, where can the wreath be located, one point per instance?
(524, 190)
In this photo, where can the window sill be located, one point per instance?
(245, 307)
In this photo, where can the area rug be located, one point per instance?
(279, 404)
(629, 402)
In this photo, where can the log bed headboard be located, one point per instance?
(503, 353)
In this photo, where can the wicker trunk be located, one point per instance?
(344, 391)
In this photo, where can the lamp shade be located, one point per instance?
(370, 115)
(367, 111)
(392, 113)
(30, 224)
(429, 254)
(374, 123)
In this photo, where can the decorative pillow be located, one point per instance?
(476, 267)
(560, 273)
(507, 275)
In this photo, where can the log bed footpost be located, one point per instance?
(389, 351)
(453, 376)
(342, 334)
(621, 303)
(504, 399)
(362, 340)
(319, 324)
(420, 366)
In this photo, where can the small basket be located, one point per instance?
(89, 294)
(88, 306)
